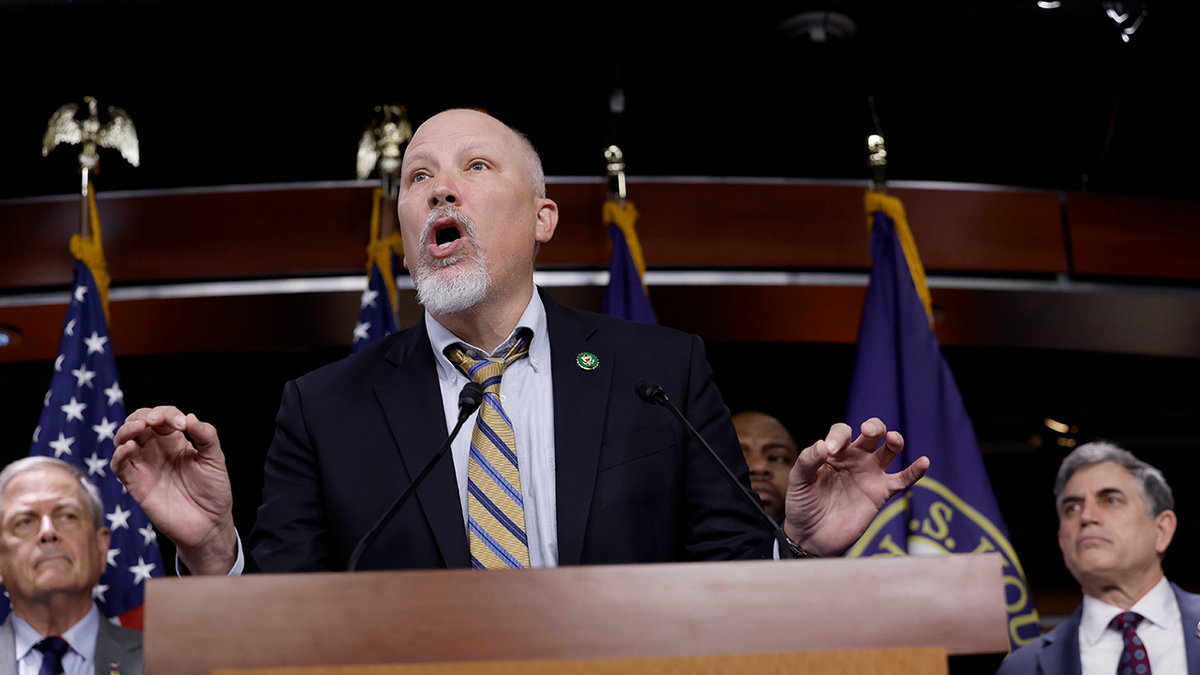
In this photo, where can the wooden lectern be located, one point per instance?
(597, 619)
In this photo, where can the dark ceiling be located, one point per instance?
(234, 92)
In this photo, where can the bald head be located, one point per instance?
(521, 144)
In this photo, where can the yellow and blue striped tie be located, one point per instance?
(495, 509)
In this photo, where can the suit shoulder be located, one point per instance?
(123, 635)
(356, 367)
(1024, 659)
(633, 330)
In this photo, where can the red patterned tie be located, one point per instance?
(1134, 659)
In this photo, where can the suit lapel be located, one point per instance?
(577, 437)
(1189, 610)
(412, 403)
(8, 648)
(112, 646)
(1060, 653)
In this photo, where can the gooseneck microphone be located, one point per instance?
(469, 400)
(651, 392)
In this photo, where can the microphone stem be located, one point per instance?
(785, 551)
(373, 533)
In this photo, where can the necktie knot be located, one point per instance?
(53, 649)
(487, 371)
(1134, 659)
(1125, 621)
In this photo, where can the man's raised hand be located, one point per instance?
(181, 484)
(837, 487)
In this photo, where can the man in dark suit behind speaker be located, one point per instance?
(603, 477)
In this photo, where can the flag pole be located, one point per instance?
(381, 148)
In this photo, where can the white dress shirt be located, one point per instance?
(80, 659)
(1161, 632)
(527, 395)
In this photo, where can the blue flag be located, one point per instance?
(375, 319)
(83, 409)
(626, 295)
(901, 378)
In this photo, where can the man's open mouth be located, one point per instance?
(446, 236)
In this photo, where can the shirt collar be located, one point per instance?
(81, 637)
(1158, 606)
(533, 318)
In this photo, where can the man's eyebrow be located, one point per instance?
(416, 155)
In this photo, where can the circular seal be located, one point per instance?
(587, 361)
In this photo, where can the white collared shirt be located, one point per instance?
(1161, 631)
(527, 395)
(80, 659)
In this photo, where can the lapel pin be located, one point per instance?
(587, 361)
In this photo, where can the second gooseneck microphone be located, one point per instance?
(651, 392)
(469, 400)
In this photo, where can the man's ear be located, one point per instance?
(1165, 522)
(547, 220)
(104, 537)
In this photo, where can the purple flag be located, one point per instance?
(901, 378)
(625, 296)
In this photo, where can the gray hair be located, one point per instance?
(91, 492)
(533, 165)
(1149, 481)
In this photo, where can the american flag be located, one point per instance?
(83, 409)
(375, 319)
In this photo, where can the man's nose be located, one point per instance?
(47, 532)
(757, 464)
(443, 193)
(1089, 512)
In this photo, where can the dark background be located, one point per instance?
(232, 92)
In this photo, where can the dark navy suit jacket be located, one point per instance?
(632, 486)
(1057, 652)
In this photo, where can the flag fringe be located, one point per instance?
(892, 208)
(90, 252)
(624, 217)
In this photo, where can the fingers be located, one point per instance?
(838, 437)
(873, 433)
(909, 477)
(204, 435)
(166, 419)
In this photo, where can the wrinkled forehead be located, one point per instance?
(28, 488)
(1098, 477)
(456, 130)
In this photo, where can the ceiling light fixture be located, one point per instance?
(1056, 425)
(819, 26)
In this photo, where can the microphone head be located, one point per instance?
(470, 398)
(649, 391)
